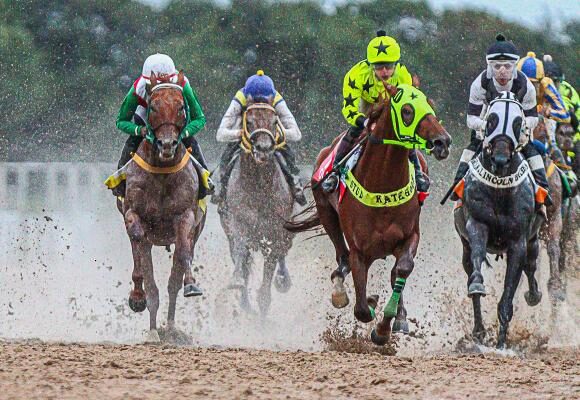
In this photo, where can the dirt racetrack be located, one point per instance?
(57, 371)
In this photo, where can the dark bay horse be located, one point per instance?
(257, 202)
(551, 231)
(399, 123)
(161, 203)
(498, 214)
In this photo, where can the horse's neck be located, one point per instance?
(383, 168)
(148, 153)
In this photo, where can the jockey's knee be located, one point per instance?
(133, 226)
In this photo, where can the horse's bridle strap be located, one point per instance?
(161, 170)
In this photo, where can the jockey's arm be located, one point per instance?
(351, 93)
(197, 118)
(530, 107)
(125, 116)
(288, 121)
(475, 108)
(230, 129)
(558, 111)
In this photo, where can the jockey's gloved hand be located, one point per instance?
(143, 131)
(362, 122)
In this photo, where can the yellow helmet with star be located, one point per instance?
(383, 49)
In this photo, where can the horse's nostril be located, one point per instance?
(438, 143)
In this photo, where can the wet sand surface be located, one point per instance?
(60, 371)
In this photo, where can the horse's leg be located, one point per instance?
(331, 223)
(152, 296)
(477, 234)
(533, 295)
(265, 291)
(395, 308)
(553, 238)
(241, 258)
(137, 298)
(516, 257)
(282, 280)
(478, 328)
(181, 269)
(360, 268)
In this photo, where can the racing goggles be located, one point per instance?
(390, 65)
(498, 65)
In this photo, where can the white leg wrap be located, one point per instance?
(536, 162)
(467, 155)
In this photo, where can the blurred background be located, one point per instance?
(65, 65)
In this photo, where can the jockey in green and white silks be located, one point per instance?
(132, 115)
(499, 76)
(363, 86)
(258, 88)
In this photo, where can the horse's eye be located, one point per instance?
(492, 122)
(408, 114)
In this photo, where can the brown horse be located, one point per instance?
(161, 203)
(376, 232)
(257, 202)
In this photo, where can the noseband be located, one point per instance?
(278, 138)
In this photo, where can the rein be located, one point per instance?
(279, 139)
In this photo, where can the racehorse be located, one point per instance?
(498, 214)
(161, 203)
(257, 202)
(551, 230)
(387, 223)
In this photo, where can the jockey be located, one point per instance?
(362, 86)
(133, 113)
(258, 88)
(501, 75)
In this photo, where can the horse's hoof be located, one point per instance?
(401, 326)
(476, 289)
(365, 316)
(373, 301)
(153, 337)
(282, 283)
(191, 290)
(339, 296)
(479, 336)
(137, 305)
(557, 294)
(533, 298)
(378, 339)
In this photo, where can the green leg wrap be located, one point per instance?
(390, 310)
(372, 310)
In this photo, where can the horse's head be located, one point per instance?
(259, 136)
(411, 120)
(565, 137)
(504, 127)
(166, 114)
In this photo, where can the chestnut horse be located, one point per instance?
(375, 232)
(161, 203)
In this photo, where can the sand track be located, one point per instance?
(41, 370)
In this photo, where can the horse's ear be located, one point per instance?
(431, 103)
(416, 81)
(180, 78)
(153, 79)
(392, 90)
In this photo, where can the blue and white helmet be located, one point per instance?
(161, 64)
(259, 87)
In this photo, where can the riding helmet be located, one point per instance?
(531, 67)
(260, 87)
(383, 49)
(502, 50)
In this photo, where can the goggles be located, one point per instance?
(378, 66)
(498, 65)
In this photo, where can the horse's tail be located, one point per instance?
(310, 223)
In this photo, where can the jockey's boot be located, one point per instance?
(131, 146)
(421, 180)
(191, 143)
(226, 166)
(536, 164)
(293, 180)
(330, 184)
